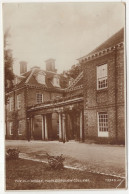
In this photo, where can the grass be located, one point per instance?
(29, 175)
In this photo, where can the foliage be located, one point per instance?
(12, 154)
(55, 162)
(63, 81)
(8, 64)
(74, 71)
(15, 124)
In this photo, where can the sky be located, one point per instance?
(63, 31)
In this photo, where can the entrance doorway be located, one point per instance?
(73, 126)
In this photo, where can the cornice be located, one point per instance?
(100, 53)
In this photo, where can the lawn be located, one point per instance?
(103, 158)
(30, 175)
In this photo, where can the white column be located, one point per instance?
(64, 127)
(46, 129)
(81, 125)
(43, 129)
(60, 128)
(28, 129)
(31, 127)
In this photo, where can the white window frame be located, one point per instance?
(10, 128)
(20, 123)
(10, 103)
(102, 78)
(38, 99)
(19, 101)
(105, 125)
(56, 82)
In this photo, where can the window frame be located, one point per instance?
(37, 98)
(98, 78)
(10, 128)
(41, 78)
(56, 81)
(20, 122)
(18, 101)
(10, 104)
(102, 133)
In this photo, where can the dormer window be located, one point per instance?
(56, 81)
(41, 78)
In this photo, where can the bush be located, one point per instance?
(55, 162)
(12, 154)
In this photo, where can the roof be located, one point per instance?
(112, 41)
(29, 78)
(22, 83)
(78, 81)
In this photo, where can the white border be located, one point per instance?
(2, 165)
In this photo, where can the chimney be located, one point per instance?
(23, 67)
(50, 65)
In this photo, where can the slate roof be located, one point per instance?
(25, 77)
(30, 79)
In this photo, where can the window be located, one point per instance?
(18, 101)
(11, 128)
(10, 103)
(56, 82)
(103, 124)
(20, 128)
(102, 76)
(39, 98)
(41, 78)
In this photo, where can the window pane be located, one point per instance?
(103, 122)
(102, 76)
(39, 98)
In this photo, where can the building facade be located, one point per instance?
(39, 108)
(91, 107)
(104, 91)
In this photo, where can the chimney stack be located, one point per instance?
(50, 65)
(23, 67)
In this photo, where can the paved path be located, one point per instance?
(109, 159)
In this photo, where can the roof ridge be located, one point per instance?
(75, 80)
(29, 76)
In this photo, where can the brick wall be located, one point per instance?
(21, 113)
(74, 92)
(31, 96)
(120, 95)
(105, 100)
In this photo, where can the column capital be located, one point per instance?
(63, 115)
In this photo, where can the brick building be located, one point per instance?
(39, 108)
(104, 91)
(90, 107)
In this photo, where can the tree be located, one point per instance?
(15, 124)
(8, 64)
(63, 81)
(74, 71)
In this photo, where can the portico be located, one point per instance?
(60, 120)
